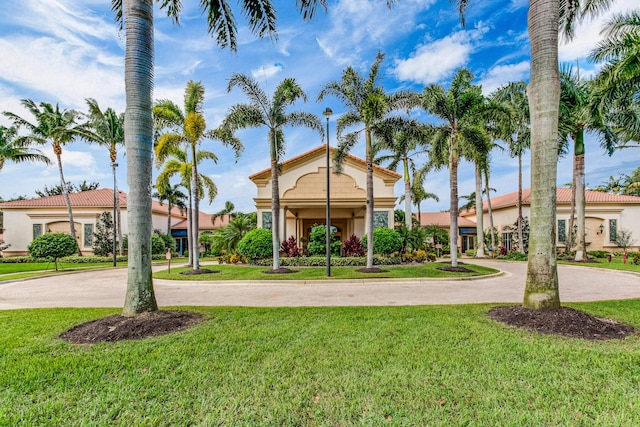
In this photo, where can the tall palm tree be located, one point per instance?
(460, 108)
(177, 162)
(406, 140)
(106, 128)
(139, 53)
(576, 117)
(51, 126)
(516, 132)
(227, 238)
(187, 127)
(367, 104)
(272, 114)
(17, 151)
(541, 288)
(229, 209)
(174, 197)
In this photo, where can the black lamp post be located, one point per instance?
(115, 225)
(327, 113)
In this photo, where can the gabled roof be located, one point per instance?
(443, 219)
(563, 196)
(102, 198)
(320, 151)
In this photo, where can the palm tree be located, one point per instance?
(460, 108)
(228, 209)
(367, 104)
(139, 53)
(174, 197)
(227, 238)
(272, 114)
(17, 151)
(516, 132)
(541, 289)
(406, 139)
(178, 163)
(576, 116)
(55, 127)
(106, 128)
(187, 127)
(618, 82)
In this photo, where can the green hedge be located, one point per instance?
(318, 261)
(598, 254)
(73, 259)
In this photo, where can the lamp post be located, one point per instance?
(327, 113)
(115, 195)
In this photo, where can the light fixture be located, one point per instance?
(601, 229)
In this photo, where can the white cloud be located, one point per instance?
(265, 72)
(502, 74)
(432, 62)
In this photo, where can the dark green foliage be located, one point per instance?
(320, 261)
(385, 241)
(318, 241)
(56, 190)
(353, 247)
(514, 256)
(169, 242)
(256, 244)
(103, 237)
(157, 244)
(598, 254)
(53, 246)
(290, 247)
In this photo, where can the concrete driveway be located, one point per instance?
(106, 288)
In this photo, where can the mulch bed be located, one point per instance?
(372, 270)
(199, 271)
(565, 321)
(118, 327)
(281, 270)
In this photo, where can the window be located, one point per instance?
(613, 230)
(562, 230)
(266, 220)
(37, 230)
(507, 242)
(88, 235)
(380, 219)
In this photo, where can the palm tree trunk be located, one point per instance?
(138, 14)
(569, 238)
(65, 191)
(119, 227)
(189, 228)
(453, 206)
(369, 210)
(520, 218)
(581, 250)
(479, 215)
(541, 289)
(408, 220)
(195, 217)
(275, 213)
(493, 234)
(168, 218)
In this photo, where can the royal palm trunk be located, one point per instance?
(479, 214)
(138, 126)
(541, 289)
(581, 250)
(369, 210)
(57, 149)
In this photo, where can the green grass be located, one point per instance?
(367, 366)
(616, 263)
(241, 272)
(10, 271)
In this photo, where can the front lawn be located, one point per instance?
(369, 366)
(244, 272)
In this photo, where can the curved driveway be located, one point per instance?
(106, 288)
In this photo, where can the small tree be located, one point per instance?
(624, 239)
(353, 246)
(3, 246)
(318, 241)
(103, 237)
(53, 246)
(158, 246)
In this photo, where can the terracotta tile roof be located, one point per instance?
(204, 220)
(563, 196)
(102, 198)
(442, 219)
(322, 149)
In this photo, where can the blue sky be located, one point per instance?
(67, 50)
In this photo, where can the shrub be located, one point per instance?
(407, 257)
(169, 242)
(598, 254)
(103, 237)
(53, 246)
(157, 244)
(431, 257)
(634, 258)
(385, 241)
(256, 244)
(290, 247)
(353, 247)
(470, 252)
(515, 256)
(233, 258)
(421, 256)
(318, 241)
(321, 261)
